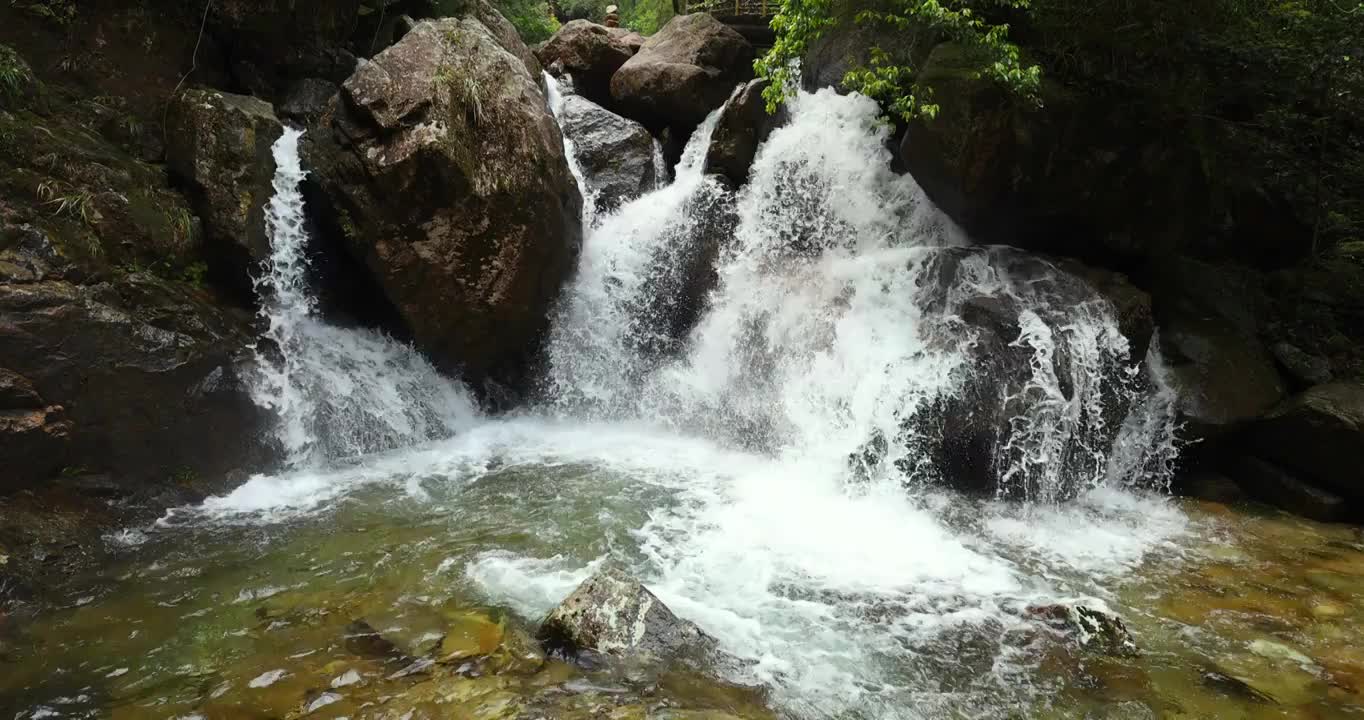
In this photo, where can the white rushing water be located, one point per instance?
(554, 97)
(777, 366)
(336, 393)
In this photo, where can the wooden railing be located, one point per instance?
(728, 8)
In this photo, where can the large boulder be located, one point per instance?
(444, 170)
(136, 375)
(612, 613)
(591, 53)
(682, 73)
(1318, 436)
(616, 155)
(1131, 304)
(630, 38)
(119, 355)
(1033, 336)
(742, 127)
(1209, 318)
(1271, 484)
(506, 35)
(219, 148)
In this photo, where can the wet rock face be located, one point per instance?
(135, 376)
(616, 155)
(614, 614)
(1093, 627)
(219, 149)
(683, 72)
(116, 357)
(1209, 319)
(1318, 437)
(444, 170)
(684, 274)
(591, 53)
(744, 126)
(306, 100)
(1019, 378)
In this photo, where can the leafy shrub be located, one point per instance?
(15, 74)
(979, 26)
(533, 19)
(61, 12)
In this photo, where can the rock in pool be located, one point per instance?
(614, 614)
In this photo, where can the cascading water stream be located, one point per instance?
(336, 392)
(745, 404)
(555, 98)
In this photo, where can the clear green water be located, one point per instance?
(1238, 615)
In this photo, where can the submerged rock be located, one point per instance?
(616, 155)
(591, 53)
(444, 171)
(614, 614)
(686, 70)
(219, 147)
(743, 126)
(1093, 626)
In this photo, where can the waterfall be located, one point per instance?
(660, 166)
(554, 97)
(756, 399)
(335, 392)
(831, 327)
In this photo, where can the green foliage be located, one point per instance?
(61, 12)
(15, 74)
(1271, 90)
(533, 19)
(643, 16)
(195, 274)
(184, 476)
(1267, 93)
(976, 25)
(72, 202)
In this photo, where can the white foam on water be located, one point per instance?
(335, 392)
(851, 591)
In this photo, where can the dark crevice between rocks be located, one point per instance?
(347, 292)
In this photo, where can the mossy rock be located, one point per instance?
(220, 147)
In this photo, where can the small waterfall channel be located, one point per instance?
(336, 393)
(758, 402)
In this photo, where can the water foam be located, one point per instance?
(335, 392)
(869, 593)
